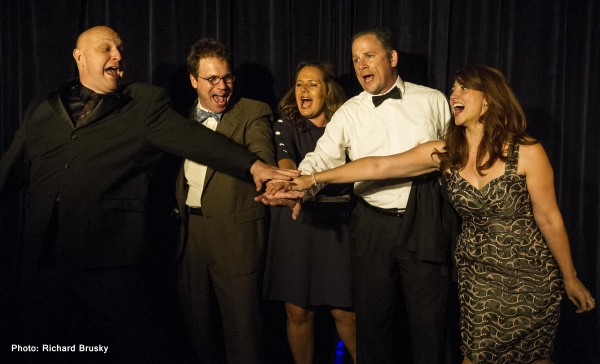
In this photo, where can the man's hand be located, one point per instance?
(262, 172)
(276, 185)
(269, 199)
(276, 200)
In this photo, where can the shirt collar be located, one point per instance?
(399, 83)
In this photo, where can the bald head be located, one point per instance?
(98, 54)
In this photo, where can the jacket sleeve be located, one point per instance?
(259, 135)
(168, 130)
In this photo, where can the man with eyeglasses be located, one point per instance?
(223, 229)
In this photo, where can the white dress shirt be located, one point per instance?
(195, 173)
(361, 129)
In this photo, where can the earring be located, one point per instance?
(486, 104)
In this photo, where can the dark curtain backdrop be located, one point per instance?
(548, 49)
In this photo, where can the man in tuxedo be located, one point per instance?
(223, 228)
(399, 231)
(87, 154)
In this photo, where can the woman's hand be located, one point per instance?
(579, 295)
(302, 183)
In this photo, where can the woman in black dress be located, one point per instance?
(308, 258)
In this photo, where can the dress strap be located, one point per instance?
(513, 153)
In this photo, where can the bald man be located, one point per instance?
(87, 153)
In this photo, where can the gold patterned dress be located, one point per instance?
(510, 286)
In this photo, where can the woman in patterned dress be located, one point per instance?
(513, 255)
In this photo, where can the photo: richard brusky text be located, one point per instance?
(76, 348)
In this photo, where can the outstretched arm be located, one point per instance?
(262, 172)
(534, 163)
(413, 162)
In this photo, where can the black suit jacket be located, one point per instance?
(431, 225)
(100, 172)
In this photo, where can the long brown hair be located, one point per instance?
(503, 122)
(334, 95)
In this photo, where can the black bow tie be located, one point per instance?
(393, 94)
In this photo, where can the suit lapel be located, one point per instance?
(227, 126)
(54, 99)
(229, 122)
(58, 99)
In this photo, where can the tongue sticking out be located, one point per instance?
(112, 72)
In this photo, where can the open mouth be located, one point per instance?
(220, 99)
(368, 78)
(458, 108)
(306, 102)
(113, 71)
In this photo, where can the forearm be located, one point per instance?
(286, 163)
(556, 238)
(368, 168)
(414, 162)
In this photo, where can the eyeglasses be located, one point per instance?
(214, 80)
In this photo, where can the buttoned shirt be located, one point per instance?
(195, 173)
(362, 130)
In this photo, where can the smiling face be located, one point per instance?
(311, 92)
(212, 97)
(99, 59)
(374, 67)
(468, 105)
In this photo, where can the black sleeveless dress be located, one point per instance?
(510, 286)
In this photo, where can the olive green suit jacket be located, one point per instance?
(233, 227)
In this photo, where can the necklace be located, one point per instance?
(475, 152)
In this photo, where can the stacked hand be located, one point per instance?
(262, 172)
(280, 192)
(302, 183)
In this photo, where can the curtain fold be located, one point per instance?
(548, 49)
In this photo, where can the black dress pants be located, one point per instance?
(378, 265)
